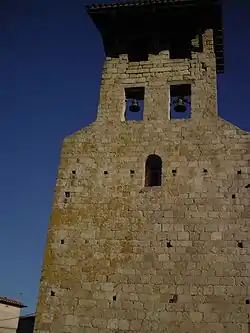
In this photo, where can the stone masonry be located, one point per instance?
(122, 257)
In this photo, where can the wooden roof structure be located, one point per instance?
(152, 24)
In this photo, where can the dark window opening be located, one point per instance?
(180, 101)
(233, 196)
(153, 172)
(247, 301)
(205, 171)
(247, 186)
(114, 298)
(180, 48)
(62, 241)
(73, 172)
(174, 172)
(105, 172)
(132, 172)
(239, 172)
(134, 103)
(52, 293)
(67, 194)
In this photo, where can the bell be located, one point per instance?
(134, 107)
(180, 105)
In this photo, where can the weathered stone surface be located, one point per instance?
(114, 271)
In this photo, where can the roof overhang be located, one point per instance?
(155, 22)
(10, 302)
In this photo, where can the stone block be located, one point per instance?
(163, 257)
(216, 236)
(123, 324)
(113, 324)
(71, 320)
(182, 235)
(196, 316)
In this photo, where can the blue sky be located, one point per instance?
(51, 59)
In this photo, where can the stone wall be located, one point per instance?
(122, 257)
(156, 75)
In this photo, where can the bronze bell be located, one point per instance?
(134, 107)
(180, 105)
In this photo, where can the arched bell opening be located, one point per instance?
(153, 171)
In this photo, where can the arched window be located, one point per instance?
(153, 170)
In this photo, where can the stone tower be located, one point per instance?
(149, 229)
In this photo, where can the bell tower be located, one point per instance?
(149, 230)
(157, 54)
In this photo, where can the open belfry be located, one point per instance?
(149, 229)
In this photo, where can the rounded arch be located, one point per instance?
(153, 170)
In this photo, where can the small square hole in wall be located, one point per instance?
(169, 244)
(73, 172)
(134, 104)
(240, 245)
(180, 101)
(239, 172)
(132, 172)
(67, 194)
(174, 172)
(62, 241)
(105, 172)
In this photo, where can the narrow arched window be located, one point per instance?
(153, 171)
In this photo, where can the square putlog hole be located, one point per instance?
(174, 172)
